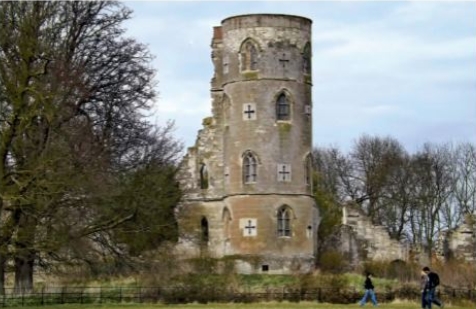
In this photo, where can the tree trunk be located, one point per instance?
(24, 273)
(2, 273)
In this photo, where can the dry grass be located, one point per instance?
(261, 305)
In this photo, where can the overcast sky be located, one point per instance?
(401, 69)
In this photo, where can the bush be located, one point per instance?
(332, 262)
(396, 270)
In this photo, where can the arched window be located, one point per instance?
(282, 107)
(203, 177)
(249, 56)
(204, 231)
(308, 170)
(306, 59)
(249, 168)
(284, 222)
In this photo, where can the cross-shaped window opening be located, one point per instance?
(282, 107)
(284, 222)
(284, 172)
(283, 60)
(249, 168)
(249, 111)
(250, 228)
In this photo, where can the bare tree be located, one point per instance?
(374, 160)
(73, 93)
(415, 196)
(328, 163)
(433, 189)
(464, 190)
(398, 199)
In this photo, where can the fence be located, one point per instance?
(88, 295)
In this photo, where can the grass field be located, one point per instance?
(264, 305)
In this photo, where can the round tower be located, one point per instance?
(267, 80)
(248, 179)
(267, 137)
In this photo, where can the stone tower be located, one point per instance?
(247, 180)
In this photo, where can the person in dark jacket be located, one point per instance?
(433, 282)
(369, 291)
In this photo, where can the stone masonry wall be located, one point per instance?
(461, 242)
(362, 240)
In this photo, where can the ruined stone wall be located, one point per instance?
(461, 242)
(362, 240)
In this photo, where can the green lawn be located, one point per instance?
(264, 305)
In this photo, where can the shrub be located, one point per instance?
(333, 262)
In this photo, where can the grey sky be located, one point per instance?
(403, 69)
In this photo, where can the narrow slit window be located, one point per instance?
(203, 177)
(306, 61)
(308, 170)
(204, 228)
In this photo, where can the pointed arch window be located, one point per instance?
(282, 107)
(249, 56)
(250, 167)
(203, 177)
(284, 222)
(306, 59)
(308, 170)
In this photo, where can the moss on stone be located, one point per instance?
(250, 75)
(207, 121)
(254, 260)
(284, 127)
(207, 155)
(308, 79)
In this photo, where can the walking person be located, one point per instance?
(369, 291)
(424, 285)
(433, 282)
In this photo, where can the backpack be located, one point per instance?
(434, 279)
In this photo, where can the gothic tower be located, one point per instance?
(248, 180)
